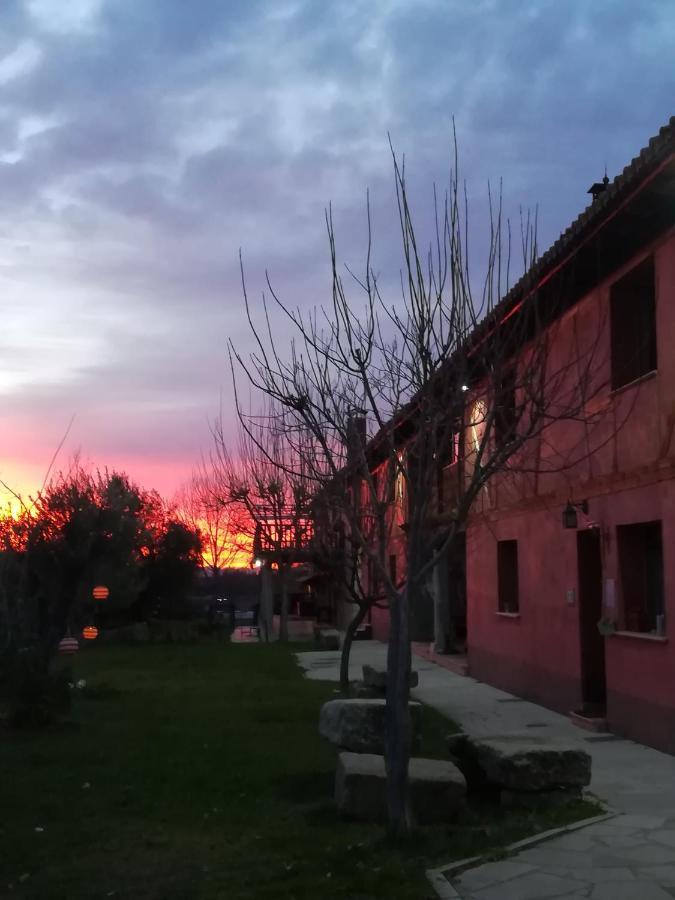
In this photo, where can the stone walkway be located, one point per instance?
(628, 857)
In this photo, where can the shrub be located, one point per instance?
(35, 695)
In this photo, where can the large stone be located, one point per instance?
(377, 678)
(436, 788)
(521, 762)
(358, 725)
(328, 639)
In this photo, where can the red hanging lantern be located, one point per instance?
(68, 646)
(90, 633)
(100, 592)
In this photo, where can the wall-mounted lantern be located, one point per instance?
(569, 514)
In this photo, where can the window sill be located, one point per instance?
(642, 636)
(508, 615)
(624, 387)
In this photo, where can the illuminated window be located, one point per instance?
(633, 324)
(399, 484)
(451, 456)
(478, 413)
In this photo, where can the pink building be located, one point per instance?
(537, 591)
(569, 590)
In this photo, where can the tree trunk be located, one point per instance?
(266, 604)
(397, 719)
(442, 623)
(350, 633)
(283, 612)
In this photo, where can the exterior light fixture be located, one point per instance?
(569, 514)
(68, 646)
(90, 633)
(257, 563)
(100, 592)
(465, 387)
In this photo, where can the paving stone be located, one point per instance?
(637, 821)
(491, 873)
(618, 843)
(377, 678)
(604, 831)
(649, 854)
(608, 860)
(634, 890)
(664, 837)
(533, 886)
(610, 873)
(592, 875)
(564, 872)
(576, 896)
(548, 854)
(577, 840)
(663, 875)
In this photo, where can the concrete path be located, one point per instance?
(628, 857)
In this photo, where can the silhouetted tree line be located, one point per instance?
(84, 530)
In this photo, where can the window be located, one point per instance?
(507, 576)
(633, 324)
(641, 571)
(450, 455)
(505, 409)
(399, 478)
(448, 474)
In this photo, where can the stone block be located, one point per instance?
(328, 639)
(521, 762)
(437, 788)
(360, 689)
(358, 724)
(377, 678)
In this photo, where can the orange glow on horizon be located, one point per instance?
(237, 553)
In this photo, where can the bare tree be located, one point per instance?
(444, 375)
(197, 506)
(270, 501)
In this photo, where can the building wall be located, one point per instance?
(533, 653)
(629, 477)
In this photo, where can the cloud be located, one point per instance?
(20, 61)
(143, 144)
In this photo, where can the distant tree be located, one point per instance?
(170, 569)
(269, 503)
(198, 507)
(80, 530)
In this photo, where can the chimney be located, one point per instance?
(356, 437)
(599, 187)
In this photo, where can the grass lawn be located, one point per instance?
(196, 772)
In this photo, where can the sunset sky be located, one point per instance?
(143, 143)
